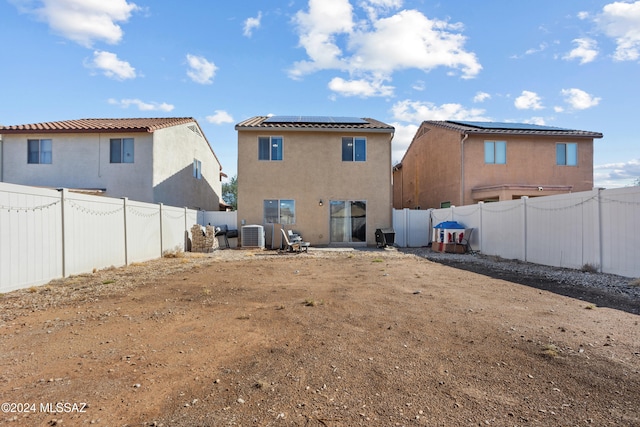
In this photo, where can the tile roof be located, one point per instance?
(369, 125)
(97, 125)
(510, 129)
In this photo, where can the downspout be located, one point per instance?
(466, 135)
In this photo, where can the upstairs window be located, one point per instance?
(495, 152)
(354, 149)
(567, 154)
(121, 150)
(39, 151)
(197, 169)
(270, 148)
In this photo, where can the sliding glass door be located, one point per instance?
(348, 222)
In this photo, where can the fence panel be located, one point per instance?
(620, 211)
(143, 231)
(560, 230)
(94, 233)
(411, 227)
(501, 230)
(30, 236)
(175, 228)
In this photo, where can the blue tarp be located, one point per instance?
(450, 225)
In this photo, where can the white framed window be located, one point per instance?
(567, 154)
(121, 150)
(197, 169)
(39, 151)
(495, 152)
(270, 148)
(354, 149)
(279, 211)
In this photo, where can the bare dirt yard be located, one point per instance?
(360, 338)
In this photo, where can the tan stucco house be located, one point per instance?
(461, 163)
(156, 160)
(328, 178)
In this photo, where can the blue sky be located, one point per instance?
(571, 63)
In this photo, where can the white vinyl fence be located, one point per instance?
(47, 234)
(597, 228)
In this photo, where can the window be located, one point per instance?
(495, 152)
(121, 150)
(197, 169)
(280, 211)
(39, 151)
(445, 205)
(270, 148)
(354, 149)
(567, 154)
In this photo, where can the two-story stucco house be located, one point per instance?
(156, 160)
(461, 163)
(327, 177)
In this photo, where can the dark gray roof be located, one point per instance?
(469, 127)
(324, 123)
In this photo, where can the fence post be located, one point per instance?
(161, 242)
(481, 205)
(126, 243)
(524, 219)
(600, 254)
(63, 196)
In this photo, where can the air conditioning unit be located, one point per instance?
(252, 236)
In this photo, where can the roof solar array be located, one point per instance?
(508, 126)
(315, 119)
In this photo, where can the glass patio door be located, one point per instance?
(348, 221)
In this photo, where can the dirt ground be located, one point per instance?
(361, 338)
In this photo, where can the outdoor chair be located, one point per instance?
(294, 237)
(294, 246)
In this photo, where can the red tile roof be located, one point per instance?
(97, 125)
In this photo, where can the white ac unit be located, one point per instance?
(252, 236)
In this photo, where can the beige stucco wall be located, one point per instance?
(82, 161)
(312, 170)
(175, 148)
(431, 170)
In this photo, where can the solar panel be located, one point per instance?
(508, 126)
(316, 119)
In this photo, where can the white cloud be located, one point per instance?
(220, 117)
(111, 66)
(82, 21)
(362, 88)
(579, 99)
(620, 21)
(142, 106)
(586, 50)
(251, 24)
(318, 30)
(417, 112)
(401, 140)
(614, 175)
(481, 97)
(528, 101)
(200, 70)
(373, 48)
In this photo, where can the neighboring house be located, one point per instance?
(156, 160)
(461, 163)
(328, 178)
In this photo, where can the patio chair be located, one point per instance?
(294, 246)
